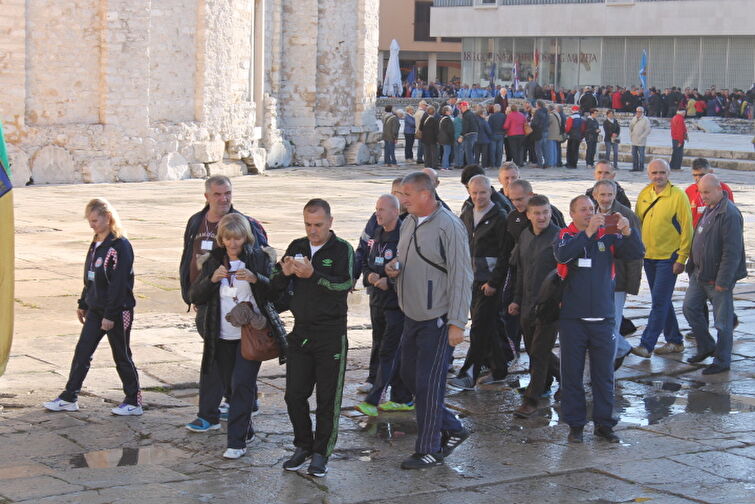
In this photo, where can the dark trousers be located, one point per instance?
(377, 336)
(572, 152)
(677, 153)
(516, 142)
(408, 146)
(559, 154)
(544, 365)
(577, 337)
(529, 148)
(481, 154)
(240, 375)
(119, 338)
(696, 312)
(315, 358)
(424, 363)
(497, 151)
(592, 146)
(431, 155)
(487, 343)
(507, 149)
(390, 325)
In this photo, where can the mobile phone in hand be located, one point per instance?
(611, 223)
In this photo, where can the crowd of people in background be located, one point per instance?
(711, 102)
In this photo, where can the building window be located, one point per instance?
(451, 39)
(422, 22)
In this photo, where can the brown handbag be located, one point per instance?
(258, 344)
(527, 129)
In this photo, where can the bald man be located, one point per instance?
(717, 261)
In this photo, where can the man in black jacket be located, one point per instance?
(429, 127)
(534, 259)
(490, 248)
(469, 131)
(318, 272)
(587, 101)
(199, 239)
(592, 130)
(604, 171)
(496, 197)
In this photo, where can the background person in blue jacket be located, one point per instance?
(585, 252)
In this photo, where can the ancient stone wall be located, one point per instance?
(129, 90)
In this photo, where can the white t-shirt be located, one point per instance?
(314, 248)
(230, 296)
(420, 220)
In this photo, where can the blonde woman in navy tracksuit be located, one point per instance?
(106, 306)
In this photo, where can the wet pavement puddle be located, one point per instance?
(389, 429)
(120, 457)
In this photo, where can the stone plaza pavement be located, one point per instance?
(685, 437)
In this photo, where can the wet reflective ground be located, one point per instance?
(685, 437)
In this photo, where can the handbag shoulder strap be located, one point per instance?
(656, 200)
(428, 261)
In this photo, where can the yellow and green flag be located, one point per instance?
(6, 255)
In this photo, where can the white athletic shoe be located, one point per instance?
(364, 388)
(59, 404)
(234, 453)
(127, 410)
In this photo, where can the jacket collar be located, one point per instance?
(720, 206)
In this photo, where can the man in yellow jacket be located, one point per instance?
(666, 220)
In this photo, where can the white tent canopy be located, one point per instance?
(392, 82)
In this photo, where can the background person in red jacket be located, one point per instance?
(700, 168)
(678, 137)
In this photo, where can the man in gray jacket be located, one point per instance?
(433, 277)
(639, 131)
(716, 262)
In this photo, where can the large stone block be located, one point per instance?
(210, 151)
(132, 173)
(358, 153)
(227, 167)
(173, 166)
(97, 171)
(54, 165)
(257, 160)
(279, 155)
(19, 165)
(334, 145)
(198, 170)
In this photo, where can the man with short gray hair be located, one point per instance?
(433, 277)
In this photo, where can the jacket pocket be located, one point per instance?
(429, 294)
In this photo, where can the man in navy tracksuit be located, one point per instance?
(585, 252)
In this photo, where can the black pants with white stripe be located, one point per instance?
(119, 338)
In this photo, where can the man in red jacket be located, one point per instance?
(700, 168)
(678, 137)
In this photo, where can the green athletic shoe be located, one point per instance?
(367, 408)
(394, 406)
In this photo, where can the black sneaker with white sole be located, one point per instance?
(451, 440)
(298, 460)
(318, 467)
(423, 460)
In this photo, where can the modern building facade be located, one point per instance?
(569, 43)
(408, 21)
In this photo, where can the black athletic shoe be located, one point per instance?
(423, 460)
(298, 460)
(575, 434)
(451, 440)
(607, 433)
(318, 467)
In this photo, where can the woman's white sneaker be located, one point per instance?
(127, 410)
(234, 453)
(59, 404)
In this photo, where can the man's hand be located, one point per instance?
(372, 278)
(107, 324)
(82, 314)
(287, 265)
(460, 139)
(677, 268)
(455, 335)
(596, 221)
(303, 268)
(719, 288)
(623, 226)
(514, 309)
(382, 284)
(487, 289)
(391, 270)
(219, 274)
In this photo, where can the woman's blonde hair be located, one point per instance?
(235, 225)
(103, 207)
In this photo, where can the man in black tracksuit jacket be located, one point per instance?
(490, 248)
(318, 272)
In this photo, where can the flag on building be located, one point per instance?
(492, 75)
(644, 71)
(412, 77)
(537, 64)
(515, 75)
(6, 255)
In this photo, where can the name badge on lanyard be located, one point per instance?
(90, 275)
(379, 261)
(584, 262)
(701, 209)
(207, 245)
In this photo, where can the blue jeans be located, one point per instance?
(610, 146)
(638, 158)
(446, 160)
(458, 155)
(389, 152)
(470, 139)
(577, 337)
(695, 309)
(540, 148)
(622, 345)
(424, 364)
(497, 147)
(420, 152)
(662, 317)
